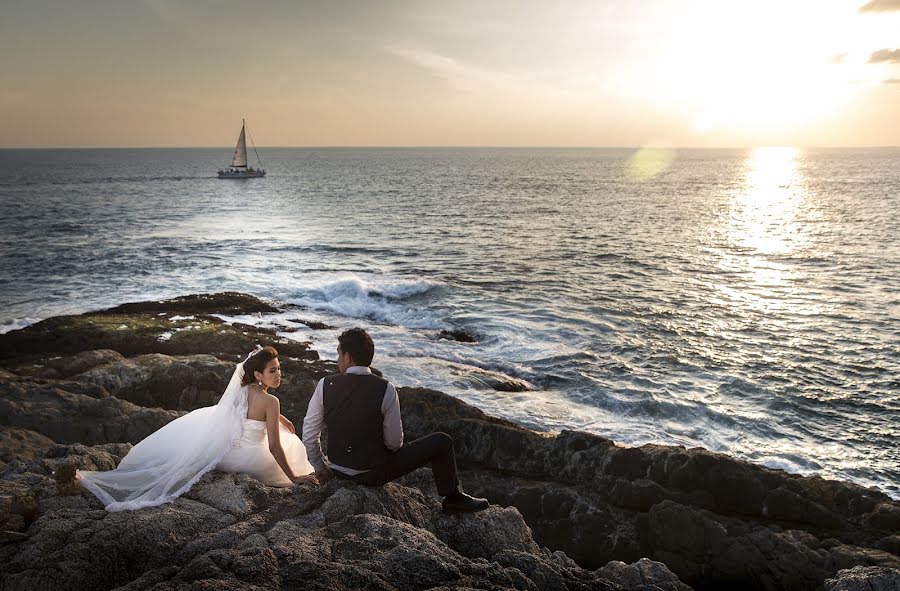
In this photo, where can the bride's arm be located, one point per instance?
(273, 418)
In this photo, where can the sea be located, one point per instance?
(746, 301)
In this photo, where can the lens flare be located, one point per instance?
(650, 161)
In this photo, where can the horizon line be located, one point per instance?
(468, 147)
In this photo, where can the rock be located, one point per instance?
(156, 380)
(229, 303)
(22, 444)
(71, 549)
(18, 506)
(7, 537)
(457, 335)
(68, 366)
(486, 379)
(146, 327)
(484, 534)
(234, 494)
(68, 417)
(865, 578)
(890, 544)
(886, 516)
(708, 517)
(313, 324)
(642, 573)
(230, 532)
(713, 520)
(66, 484)
(640, 494)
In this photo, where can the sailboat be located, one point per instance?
(239, 168)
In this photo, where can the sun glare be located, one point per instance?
(763, 214)
(766, 67)
(763, 231)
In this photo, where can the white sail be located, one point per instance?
(240, 152)
(239, 168)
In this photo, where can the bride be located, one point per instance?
(244, 432)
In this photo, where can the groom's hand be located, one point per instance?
(324, 476)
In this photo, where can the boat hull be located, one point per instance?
(224, 174)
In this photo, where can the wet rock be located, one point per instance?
(313, 324)
(458, 335)
(137, 333)
(484, 379)
(229, 303)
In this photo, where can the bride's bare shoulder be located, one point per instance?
(258, 394)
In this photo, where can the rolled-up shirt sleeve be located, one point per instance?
(312, 428)
(393, 425)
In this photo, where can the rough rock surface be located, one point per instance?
(108, 379)
(64, 414)
(22, 444)
(231, 532)
(865, 578)
(152, 327)
(712, 519)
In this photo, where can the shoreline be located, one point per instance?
(496, 381)
(709, 517)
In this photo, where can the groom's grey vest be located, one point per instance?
(354, 420)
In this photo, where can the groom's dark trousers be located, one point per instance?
(435, 449)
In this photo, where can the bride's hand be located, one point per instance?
(288, 424)
(306, 479)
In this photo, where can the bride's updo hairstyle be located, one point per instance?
(257, 362)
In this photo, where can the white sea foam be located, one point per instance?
(378, 298)
(16, 324)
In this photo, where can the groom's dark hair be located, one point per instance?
(358, 343)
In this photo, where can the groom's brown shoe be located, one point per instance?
(460, 502)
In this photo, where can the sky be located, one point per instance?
(685, 73)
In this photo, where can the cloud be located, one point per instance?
(885, 55)
(461, 76)
(840, 58)
(892, 81)
(880, 6)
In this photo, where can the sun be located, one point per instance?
(778, 97)
(766, 66)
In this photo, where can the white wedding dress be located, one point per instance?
(168, 462)
(251, 455)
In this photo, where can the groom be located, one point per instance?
(365, 434)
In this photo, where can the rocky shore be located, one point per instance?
(571, 511)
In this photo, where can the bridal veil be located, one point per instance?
(168, 462)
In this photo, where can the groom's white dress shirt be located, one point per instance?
(315, 419)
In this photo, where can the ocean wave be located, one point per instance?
(16, 324)
(374, 297)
